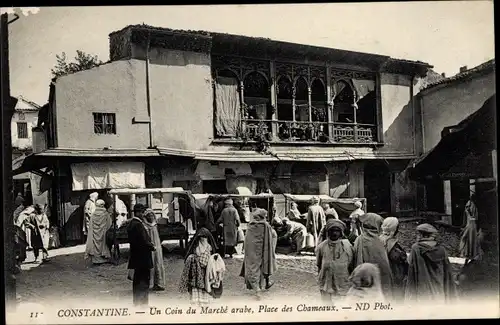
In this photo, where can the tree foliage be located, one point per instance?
(82, 61)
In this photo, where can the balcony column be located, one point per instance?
(309, 91)
(242, 106)
(329, 107)
(274, 106)
(309, 104)
(242, 93)
(355, 108)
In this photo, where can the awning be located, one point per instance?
(130, 191)
(66, 152)
(106, 175)
(29, 163)
(475, 135)
(303, 155)
(48, 157)
(234, 156)
(243, 190)
(175, 152)
(305, 197)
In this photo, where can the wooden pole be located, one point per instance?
(8, 105)
(116, 251)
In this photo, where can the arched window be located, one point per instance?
(343, 104)
(226, 73)
(257, 96)
(301, 100)
(318, 101)
(285, 109)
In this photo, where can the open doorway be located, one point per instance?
(215, 186)
(377, 186)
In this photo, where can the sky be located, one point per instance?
(445, 34)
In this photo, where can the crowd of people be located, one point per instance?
(358, 257)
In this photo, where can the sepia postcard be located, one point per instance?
(249, 163)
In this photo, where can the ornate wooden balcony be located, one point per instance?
(308, 132)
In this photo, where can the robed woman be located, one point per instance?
(193, 277)
(259, 262)
(158, 267)
(369, 249)
(396, 254)
(96, 247)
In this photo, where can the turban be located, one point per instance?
(331, 223)
(425, 227)
(372, 220)
(277, 220)
(315, 199)
(365, 275)
(389, 228)
(358, 204)
(139, 207)
(259, 214)
(93, 196)
(228, 201)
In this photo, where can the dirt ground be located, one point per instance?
(67, 276)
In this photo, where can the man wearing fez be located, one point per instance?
(141, 259)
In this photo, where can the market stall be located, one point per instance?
(176, 219)
(242, 202)
(343, 206)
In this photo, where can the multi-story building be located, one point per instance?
(448, 106)
(25, 117)
(214, 112)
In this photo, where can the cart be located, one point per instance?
(263, 201)
(172, 225)
(343, 206)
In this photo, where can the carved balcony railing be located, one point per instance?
(308, 132)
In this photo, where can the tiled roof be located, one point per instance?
(410, 62)
(463, 75)
(221, 36)
(430, 78)
(31, 106)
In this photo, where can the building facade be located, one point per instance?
(214, 112)
(443, 105)
(24, 119)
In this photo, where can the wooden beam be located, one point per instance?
(7, 181)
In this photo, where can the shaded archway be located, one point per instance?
(257, 96)
(318, 101)
(284, 94)
(301, 100)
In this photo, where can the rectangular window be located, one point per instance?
(22, 130)
(104, 123)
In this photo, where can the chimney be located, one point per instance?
(463, 69)
(443, 75)
(119, 45)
